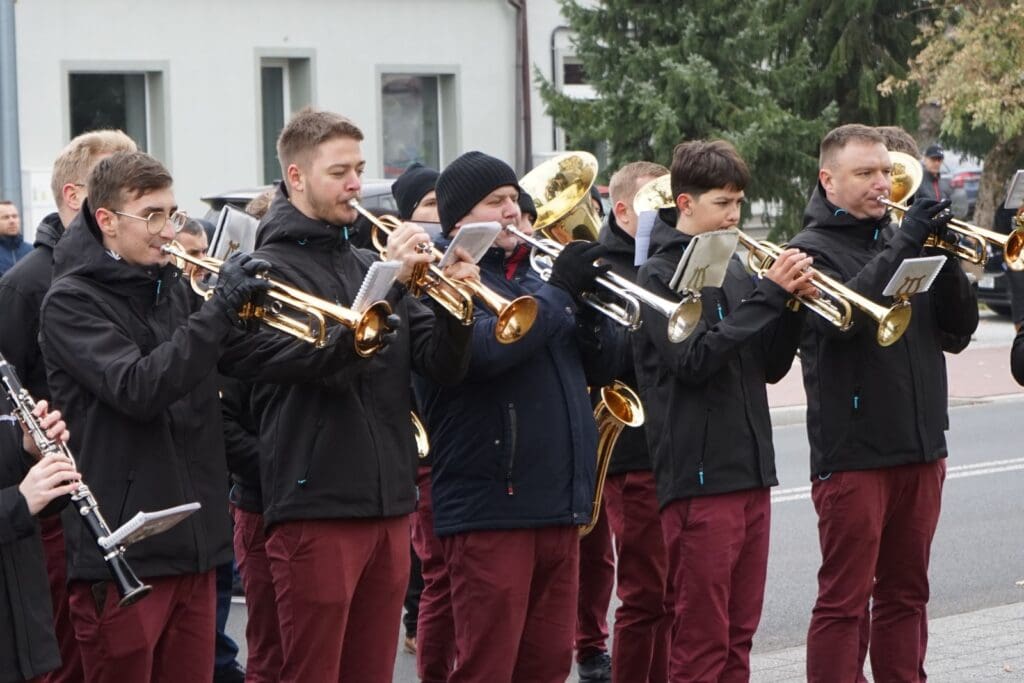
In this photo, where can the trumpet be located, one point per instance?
(973, 242)
(618, 408)
(515, 318)
(682, 316)
(293, 311)
(837, 301)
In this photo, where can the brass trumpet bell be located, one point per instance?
(515, 318)
(292, 311)
(560, 188)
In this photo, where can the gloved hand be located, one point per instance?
(575, 271)
(237, 282)
(389, 333)
(926, 217)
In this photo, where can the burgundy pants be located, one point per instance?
(718, 560)
(514, 603)
(262, 633)
(435, 628)
(643, 620)
(875, 528)
(70, 670)
(597, 576)
(167, 636)
(333, 574)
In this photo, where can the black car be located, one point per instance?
(994, 283)
(376, 196)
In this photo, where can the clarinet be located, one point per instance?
(129, 587)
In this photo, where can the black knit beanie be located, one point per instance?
(411, 187)
(526, 205)
(466, 181)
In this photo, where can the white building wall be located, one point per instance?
(210, 51)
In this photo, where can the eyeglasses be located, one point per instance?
(156, 221)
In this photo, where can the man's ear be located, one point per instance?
(684, 203)
(620, 210)
(72, 195)
(296, 178)
(107, 220)
(825, 178)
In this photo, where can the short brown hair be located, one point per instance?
(838, 138)
(260, 204)
(702, 165)
(307, 130)
(622, 186)
(899, 140)
(76, 159)
(125, 176)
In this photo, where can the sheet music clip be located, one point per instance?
(705, 262)
(914, 276)
(146, 524)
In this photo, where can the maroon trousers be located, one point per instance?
(514, 603)
(643, 620)
(167, 636)
(262, 633)
(718, 561)
(597, 576)
(330, 574)
(875, 528)
(70, 670)
(435, 627)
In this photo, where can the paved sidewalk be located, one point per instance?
(987, 645)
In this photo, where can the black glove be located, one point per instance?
(926, 217)
(574, 269)
(389, 333)
(237, 282)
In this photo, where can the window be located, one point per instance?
(417, 120)
(285, 88)
(572, 72)
(111, 100)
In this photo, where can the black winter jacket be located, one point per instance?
(630, 452)
(22, 289)
(28, 647)
(708, 423)
(870, 406)
(341, 445)
(133, 366)
(514, 445)
(241, 444)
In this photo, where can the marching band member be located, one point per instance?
(877, 424)
(643, 620)
(132, 363)
(21, 294)
(514, 446)
(28, 645)
(707, 421)
(337, 451)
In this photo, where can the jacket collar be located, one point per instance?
(822, 214)
(49, 231)
(285, 223)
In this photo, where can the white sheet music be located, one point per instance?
(705, 261)
(475, 238)
(915, 275)
(376, 284)
(1015, 194)
(146, 524)
(644, 229)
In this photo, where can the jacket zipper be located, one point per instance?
(509, 488)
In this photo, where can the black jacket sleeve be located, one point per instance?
(1017, 357)
(712, 346)
(955, 303)
(779, 343)
(603, 345)
(440, 343)
(241, 443)
(77, 337)
(18, 333)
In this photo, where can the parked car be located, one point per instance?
(963, 184)
(376, 196)
(994, 287)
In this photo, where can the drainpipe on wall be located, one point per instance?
(524, 138)
(10, 151)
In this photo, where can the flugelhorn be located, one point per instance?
(129, 587)
(515, 318)
(836, 302)
(560, 189)
(618, 408)
(972, 242)
(293, 311)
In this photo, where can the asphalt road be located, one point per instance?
(977, 558)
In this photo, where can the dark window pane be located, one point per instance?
(272, 81)
(112, 100)
(411, 122)
(573, 74)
